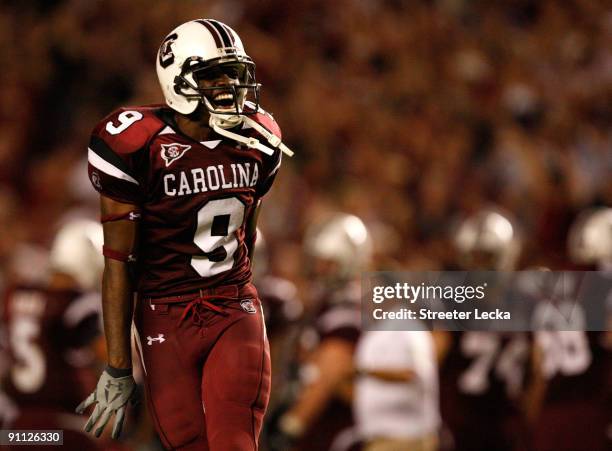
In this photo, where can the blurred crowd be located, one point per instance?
(406, 113)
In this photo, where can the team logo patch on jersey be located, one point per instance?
(247, 306)
(172, 152)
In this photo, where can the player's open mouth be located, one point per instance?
(224, 100)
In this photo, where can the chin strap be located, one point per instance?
(274, 140)
(219, 125)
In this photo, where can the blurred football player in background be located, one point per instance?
(49, 329)
(337, 249)
(576, 365)
(396, 392)
(487, 240)
(482, 374)
(180, 189)
(590, 239)
(283, 310)
(405, 113)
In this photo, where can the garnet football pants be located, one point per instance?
(207, 370)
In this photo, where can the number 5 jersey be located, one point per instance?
(193, 198)
(48, 334)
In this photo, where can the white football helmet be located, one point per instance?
(590, 237)
(77, 252)
(343, 239)
(206, 49)
(196, 48)
(488, 240)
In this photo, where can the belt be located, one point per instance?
(226, 291)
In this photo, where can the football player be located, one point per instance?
(576, 365)
(279, 296)
(283, 310)
(320, 418)
(180, 186)
(49, 329)
(590, 239)
(482, 373)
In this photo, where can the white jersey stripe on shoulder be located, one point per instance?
(211, 144)
(99, 163)
(166, 131)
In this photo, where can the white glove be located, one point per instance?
(111, 397)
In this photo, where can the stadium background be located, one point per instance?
(408, 114)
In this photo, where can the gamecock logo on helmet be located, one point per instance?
(166, 56)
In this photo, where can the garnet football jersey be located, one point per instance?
(578, 365)
(47, 330)
(338, 318)
(577, 404)
(194, 197)
(485, 371)
(280, 302)
(575, 361)
(481, 379)
(340, 314)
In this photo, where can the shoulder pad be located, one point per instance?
(264, 118)
(128, 129)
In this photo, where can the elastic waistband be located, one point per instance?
(226, 291)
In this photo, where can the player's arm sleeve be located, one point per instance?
(251, 229)
(271, 166)
(112, 174)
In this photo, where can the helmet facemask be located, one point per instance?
(220, 99)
